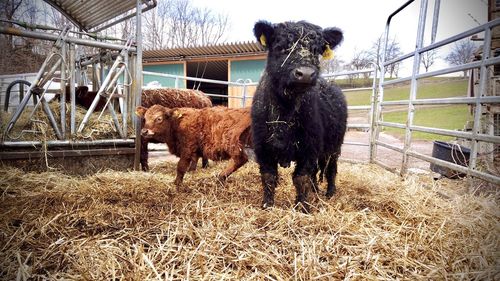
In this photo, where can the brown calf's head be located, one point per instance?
(156, 120)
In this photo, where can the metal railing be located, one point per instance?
(246, 96)
(481, 98)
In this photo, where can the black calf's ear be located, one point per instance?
(333, 36)
(264, 32)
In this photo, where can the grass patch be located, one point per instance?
(427, 90)
(452, 117)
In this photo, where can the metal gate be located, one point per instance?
(484, 99)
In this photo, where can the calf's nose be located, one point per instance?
(304, 74)
(146, 133)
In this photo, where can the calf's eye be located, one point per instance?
(159, 119)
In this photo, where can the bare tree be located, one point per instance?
(177, 23)
(332, 65)
(462, 52)
(359, 61)
(393, 50)
(428, 59)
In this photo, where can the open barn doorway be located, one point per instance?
(215, 70)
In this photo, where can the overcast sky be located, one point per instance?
(362, 21)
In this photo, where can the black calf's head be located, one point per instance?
(295, 49)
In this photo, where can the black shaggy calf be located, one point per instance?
(296, 115)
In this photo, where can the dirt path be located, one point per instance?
(158, 152)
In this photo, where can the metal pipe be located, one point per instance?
(71, 143)
(126, 17)
(138, 85)
(126, 93)
(457, 100)
(449, 40)
(483, 75)
(484, 176)
(62, 86)
(457, 134)
(52, 37)
(101, 91)
(198, 79)
(435, 19)
(50, 116)
(72, 93)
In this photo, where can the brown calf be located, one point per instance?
(217, 133)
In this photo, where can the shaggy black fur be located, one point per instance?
(296, 115)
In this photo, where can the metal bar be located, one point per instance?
(356, 89)
(70, 143)
(457, 100)
(26, 98)
(62, 86)
(138, 85)
(448, 40)
(126, 17)
(243, 99)
(356, 143)
(484, 176)
(358, 126)
(476, 130)
(99, 94)
(385, 166)
(345, 73)
(392, 125)
(389, 146)
(16, 155)
(126, 93)
(72, 93)
(51, 118)
(458, 134)
(52, 37)
(435, 19)
(373, 107)
(470, 65)
(198, 79)
(115, 120)
(358, 107)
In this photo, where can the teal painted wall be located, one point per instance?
(174, 69)
(247, 69)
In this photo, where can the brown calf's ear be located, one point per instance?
(140, 111)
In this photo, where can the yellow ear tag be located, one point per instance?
(262, 39)
(177, 114)
(328, 53)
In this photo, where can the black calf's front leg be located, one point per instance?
(331, 174)
(144, 155)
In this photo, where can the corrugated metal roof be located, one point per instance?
(211, 51)
(89, 14)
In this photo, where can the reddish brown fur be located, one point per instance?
(218, 133)
(171, 98)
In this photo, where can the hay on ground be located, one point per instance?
(136, 226)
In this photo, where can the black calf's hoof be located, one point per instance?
(267, 204)
(303, 207)
(329, 194)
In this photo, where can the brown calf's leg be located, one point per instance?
(182, 167)
(233, 165)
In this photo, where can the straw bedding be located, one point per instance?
(136, 226)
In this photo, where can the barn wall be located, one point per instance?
(244, 69)
(172, 68)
